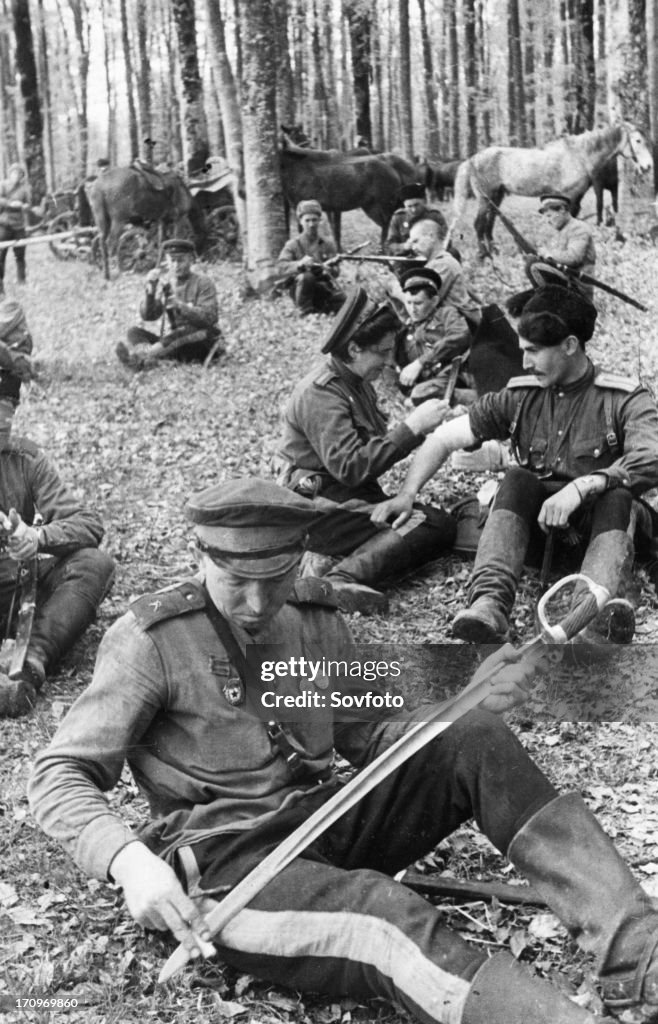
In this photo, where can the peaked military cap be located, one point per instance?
(178, 245)
(422, 277)
(413, 191)
(553, 201)
(357, 308)
(570, 313)
(253, 526)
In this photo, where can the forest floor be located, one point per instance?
(134, 447)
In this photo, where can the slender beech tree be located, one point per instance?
(357, 14)
(143, 71)
(406, 121)
(29, 89)
(228, 104)
(194, 115)
(133, 133)
(266, 226)
(433, 147)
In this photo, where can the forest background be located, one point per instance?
(82, 80)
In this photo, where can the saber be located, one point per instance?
(418, 736)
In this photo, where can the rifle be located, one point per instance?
(26, 585)
(532, 653)
(410, 262)
(529, 250)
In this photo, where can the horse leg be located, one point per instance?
(483, 228)
(334, 220)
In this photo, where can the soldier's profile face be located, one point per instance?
(249, 603)
(368, 363)
(412, 207)
(551, 364)
(424, 237)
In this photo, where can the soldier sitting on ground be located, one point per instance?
(585, 442)
(72, 575)
(434, 334)
(175, 696)
(573, 244)
(303, 264)
(414, 207)
(427, 241)
(15, 363)
(14, 204)
(186, 302)
(335, 446)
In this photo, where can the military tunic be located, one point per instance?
(434, 341)
(603, 423)
(334, 428)
(574, 246)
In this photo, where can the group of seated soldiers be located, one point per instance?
(174, 693)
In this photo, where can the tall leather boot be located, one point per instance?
(575, 867)
(498, 566)
(609, 562)
(503, 992)
(386, 554)
(82, 581)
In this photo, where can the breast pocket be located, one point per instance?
(592, 453)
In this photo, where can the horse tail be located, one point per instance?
(463, 189)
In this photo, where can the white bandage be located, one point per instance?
(455, 434)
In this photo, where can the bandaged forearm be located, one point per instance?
(447, 438)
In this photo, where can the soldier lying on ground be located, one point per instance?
(186, 302)
(72, 575)
(335, 446)
(224, 787)
(585, 442)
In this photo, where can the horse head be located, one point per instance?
(634, 147)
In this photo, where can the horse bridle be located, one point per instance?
(628, 141)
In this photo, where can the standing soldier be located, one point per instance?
(14, 202)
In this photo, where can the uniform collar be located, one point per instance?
(580, 384)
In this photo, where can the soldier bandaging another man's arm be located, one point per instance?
(223, 789)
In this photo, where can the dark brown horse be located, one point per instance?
(340, 183)
(606, 179)
(128, 195)
(439, 178)
(568, 165)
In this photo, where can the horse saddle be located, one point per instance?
(152, 177)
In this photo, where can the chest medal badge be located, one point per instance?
(232, 686)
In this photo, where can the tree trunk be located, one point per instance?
(44, 86)
(378, 121)
(406, 119)
(266, 227)
(80, 13)
(433, 135)
(358, 20)
(228, 103)
(319, 105)
(143, 73)
(484, 76)
(652, 64)
(517, 130)
(27, 72)
(471, 74)
(108, 60)
(130, 80)
(194, 115)
(285, 98)
(333, 115)
(450, 15)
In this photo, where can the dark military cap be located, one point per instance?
(253, 526)
(357, 308)
(414, 191)
(553, 201)
(422, 277)
(178, 245)
(569, 312)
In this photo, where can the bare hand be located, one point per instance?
(156, 899)
(409, 374)
(398, 509)
(427, 416)
(509, 685)
(23, 541)
(305, 262)
(153, 276)
(557, 509)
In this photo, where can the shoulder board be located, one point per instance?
(605, 379)
(324, 376)
(400, 213)
(525, 380)
(312, 590)
(20, 446)
(168, 603)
